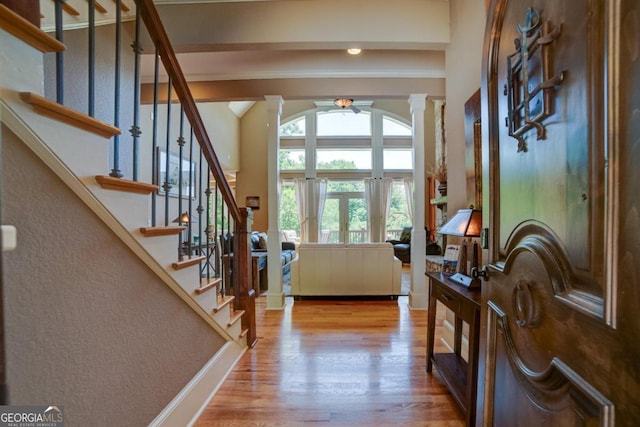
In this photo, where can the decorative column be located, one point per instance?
(418, 292)
(275, 294)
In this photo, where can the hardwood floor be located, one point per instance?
(337, 363)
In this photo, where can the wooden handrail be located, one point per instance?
(156, 30)
(241, 262)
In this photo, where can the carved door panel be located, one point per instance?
(560, 324)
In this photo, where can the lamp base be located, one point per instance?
(465, 281)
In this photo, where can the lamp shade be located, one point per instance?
(185, 218)
(465, 223)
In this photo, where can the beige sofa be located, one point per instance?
(345, 269)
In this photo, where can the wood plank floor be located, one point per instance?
(337, 363)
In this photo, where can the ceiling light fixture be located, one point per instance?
(354, 50)
(343, 102)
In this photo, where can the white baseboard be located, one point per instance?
(187, 406)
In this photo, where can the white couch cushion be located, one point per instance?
(346, 269)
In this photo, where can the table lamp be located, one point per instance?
(465, 223)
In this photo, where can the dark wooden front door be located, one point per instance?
(561, 307)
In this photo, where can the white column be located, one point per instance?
(275, 294)
(418, 292)
(310, 145)
(377, 173)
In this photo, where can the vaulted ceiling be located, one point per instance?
(243, 50)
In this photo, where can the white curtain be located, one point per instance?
(320, 196)
(369, 197)
(377, 193)
(386, 187)
(408, 191)
(300, 185)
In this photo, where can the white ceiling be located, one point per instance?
(245, 49)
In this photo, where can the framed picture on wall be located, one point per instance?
(188, 181)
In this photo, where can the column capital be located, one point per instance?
(417, 102)
(274, 103)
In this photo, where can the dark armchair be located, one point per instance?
(402, 246)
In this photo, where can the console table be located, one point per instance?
(460, 377)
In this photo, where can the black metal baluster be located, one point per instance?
(59, 55)
(115, 172)
(166, 186)
(191, 186)
(215, 230)
(226, 252)
(92, 58)
(135, 129)
(155, 157)
(200, 209)
(208, 194)
(180, 141)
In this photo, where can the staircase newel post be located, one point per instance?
(245, 295)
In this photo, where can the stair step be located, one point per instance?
(27, 32)
(162, 231)
(119, 184)
(188, 262)
(100, 8)
(235, 316)
(70, 9)
(68, 115)
(123, 6)
(207, 285)
(226, 300)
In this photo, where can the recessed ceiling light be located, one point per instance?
(354, 50)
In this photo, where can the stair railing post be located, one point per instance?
(135, 128)
(166, 186)
(242, 276)
(155, 155)
(59, 55)
(92, 59)
(115, 172)
(180, 141)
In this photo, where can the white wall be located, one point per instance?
(464, 68)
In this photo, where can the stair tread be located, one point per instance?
(120, 184)
(188, 262)
(235, 316)
(223, 302)
(206, 285)
(162, 231)
(68, 115)
(27, 32)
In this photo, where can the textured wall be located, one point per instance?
(88, 326)
(76, 86)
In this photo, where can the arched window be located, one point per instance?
(348, 148)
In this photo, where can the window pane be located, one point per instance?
(398, 212)
(344, 123)
(345, 186)
(295, 127)
(358, 225)
(397, 159)
(392, 127)
(330, 228)
(291, 159)
(331, 159)
(289, 219)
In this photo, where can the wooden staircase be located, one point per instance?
(204, 295)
